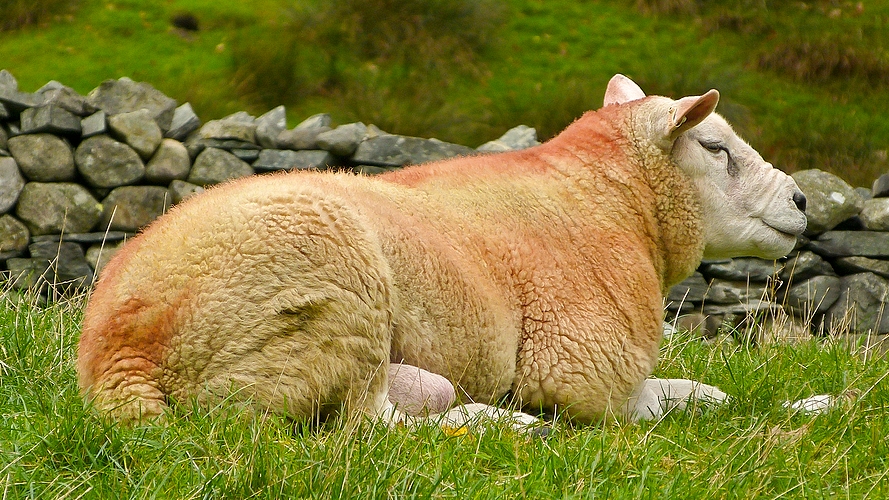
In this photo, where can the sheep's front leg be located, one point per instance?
(656, 397)
(479, 415)
(466, 418)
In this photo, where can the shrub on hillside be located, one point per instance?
(711, 6)
(668, 6)
(15, 14)
(825, 59)
(347, 49)
(428, 32)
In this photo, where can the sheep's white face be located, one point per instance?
(748, 206)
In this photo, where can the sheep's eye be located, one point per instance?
(716, 147)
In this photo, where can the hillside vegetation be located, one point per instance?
(806, 82)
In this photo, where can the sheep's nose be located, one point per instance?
(799, 199)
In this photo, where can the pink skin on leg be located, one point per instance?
(418, 392)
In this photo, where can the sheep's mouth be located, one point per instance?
(789, 229)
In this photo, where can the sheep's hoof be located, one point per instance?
(541, 431)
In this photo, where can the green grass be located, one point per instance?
(53, 446)
(804, 82)
(546, 63)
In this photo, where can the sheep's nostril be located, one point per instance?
(799, 199)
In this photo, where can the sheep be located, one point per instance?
(538, 274)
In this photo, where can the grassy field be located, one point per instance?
(53, 446)
(804, 82)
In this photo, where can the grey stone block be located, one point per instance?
(279, 159)
(57, 207)
(106, 163)
(43, 157)
(50, 118)
(125, 95)
(213, 166)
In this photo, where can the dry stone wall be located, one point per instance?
(80, 174)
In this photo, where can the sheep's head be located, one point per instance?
(748, 206)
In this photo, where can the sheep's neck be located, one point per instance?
(640, 185)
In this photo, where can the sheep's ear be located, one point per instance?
(621, 89)
(690, 111)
